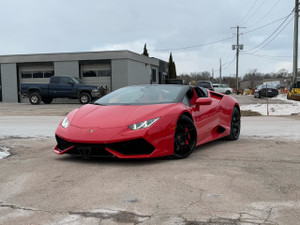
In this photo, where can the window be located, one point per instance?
(55, 80)
(65, 80)
(89, 73)
(104, 73)
(26, 75)
(48, 74)
(36, 74)
(96, 73)
(185, 101)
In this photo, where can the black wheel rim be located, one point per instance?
(235, 124)
(185, 138)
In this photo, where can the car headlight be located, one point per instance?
(143, 124)
(65, 123)
(96, 90)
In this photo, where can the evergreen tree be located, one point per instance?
(145, 52)
(172, 68)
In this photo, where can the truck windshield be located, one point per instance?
(76, 80)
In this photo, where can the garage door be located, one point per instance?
(97, 74)
(35, 74)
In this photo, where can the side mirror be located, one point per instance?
(203, 101)
(70, 82)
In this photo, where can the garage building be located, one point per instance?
(110, 69)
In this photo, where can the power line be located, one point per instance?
(273, 32)
(248, 12)
(228, 63)
(265, 15)
(274, 36)
(193, 46)
(269, 57)
(220, 40)
(259, 7)
(265, 25)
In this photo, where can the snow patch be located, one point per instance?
(293, 107)
(4, 152)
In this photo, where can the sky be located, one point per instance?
(184, 28)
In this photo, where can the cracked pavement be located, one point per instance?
(252, 181)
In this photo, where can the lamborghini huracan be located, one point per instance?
(148, 121)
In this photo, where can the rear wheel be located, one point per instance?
(235, 124)
(185, 138)
(227, 92)
(85, 98)
(35, 98)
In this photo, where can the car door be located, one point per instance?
(206, 117)
(64, 87)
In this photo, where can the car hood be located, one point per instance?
(115, 116)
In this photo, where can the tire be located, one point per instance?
(185, 138)
(85, 98)
(235, 126)
(227, 92)
(35, 98)
(47, 100)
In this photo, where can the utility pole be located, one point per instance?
(237, 47)
(220, 71)
(212, 73)
(295, 55)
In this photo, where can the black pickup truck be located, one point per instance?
(61, 87)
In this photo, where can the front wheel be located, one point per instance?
(185, 138)
(227, 92)
(35, 98)
(235, 126)
(85, 98)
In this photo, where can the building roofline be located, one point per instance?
(77, 56)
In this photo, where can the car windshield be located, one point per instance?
(76, 80)
(139, 95)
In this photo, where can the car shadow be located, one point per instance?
(111, 160)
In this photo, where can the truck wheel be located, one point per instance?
(35, 98)
(47, 100)
(85, 98)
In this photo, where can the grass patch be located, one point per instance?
(249, 113)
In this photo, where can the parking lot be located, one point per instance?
(254, 180)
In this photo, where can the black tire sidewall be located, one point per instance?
(87, 95)
(232, 136)
(182, 156)
(37, 95)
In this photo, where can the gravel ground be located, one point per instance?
(254, 180)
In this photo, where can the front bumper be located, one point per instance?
(96, 94)
(136, 147)
(120, 142)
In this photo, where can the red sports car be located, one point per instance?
(146, 121)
